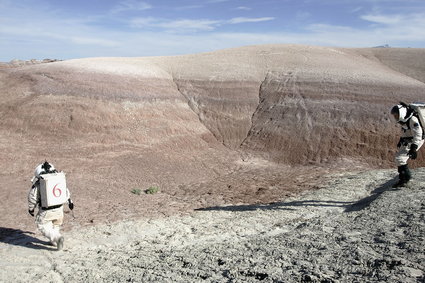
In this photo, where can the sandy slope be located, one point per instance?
(180, 122)
(242, 127)
(355, 228)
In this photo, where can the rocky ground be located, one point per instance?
(353, 228)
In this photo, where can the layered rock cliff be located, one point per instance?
(115, 124)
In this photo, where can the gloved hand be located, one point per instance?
(412, 152)
(70, 204)
(31, 212)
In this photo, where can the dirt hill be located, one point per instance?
(244, 125)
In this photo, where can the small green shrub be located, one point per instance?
(136, 191)
(152, 190)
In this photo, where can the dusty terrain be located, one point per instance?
(245, 126)
(354, 228)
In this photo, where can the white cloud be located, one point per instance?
(392, 29)
(240, 20)
(202, 25)
(244, 8)
(181, 25)
(131, 5)
(396, 20)
(143, 43)
(324, 28)
(185, 25)
(189, 7)
(397, 27)
(142, 22)
(93, 41)
(382, 19)
(32, 28)
(38, 33)
(42, 35)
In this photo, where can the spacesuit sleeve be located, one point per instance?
(416, 130)
(33, 198)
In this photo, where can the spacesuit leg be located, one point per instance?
(48, 222)
(402, 156)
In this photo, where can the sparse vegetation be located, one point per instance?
(152, 190)
(136, 191)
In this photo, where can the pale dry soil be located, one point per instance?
(353, 228)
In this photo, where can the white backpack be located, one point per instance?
(53, 190)
(419, 111)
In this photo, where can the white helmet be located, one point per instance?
(401, 110)
(44, 168)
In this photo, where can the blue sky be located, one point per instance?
(65, 29)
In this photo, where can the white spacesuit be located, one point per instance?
(48, 219)
(410, 141)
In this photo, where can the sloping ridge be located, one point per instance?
(116, 124)
(314, 104)
(408, 61)
(279, 101)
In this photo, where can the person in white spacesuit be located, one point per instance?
(410, 141)
(48, 219)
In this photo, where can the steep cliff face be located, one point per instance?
(302, 104)
(289, 103)
(301, 119)
(224, 107)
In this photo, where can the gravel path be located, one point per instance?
(355, 228)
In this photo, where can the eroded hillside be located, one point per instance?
(226, 124)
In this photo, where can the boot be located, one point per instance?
(407, 174)
(60, 243)
(404, 176)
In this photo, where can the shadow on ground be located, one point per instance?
(365, 202)
(350, 206)
(23, 238)
(276, 206)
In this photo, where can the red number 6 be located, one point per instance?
(56, 191)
